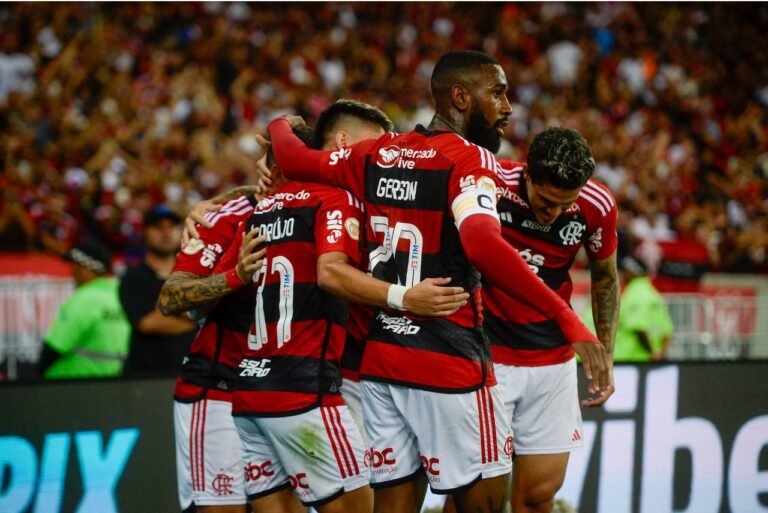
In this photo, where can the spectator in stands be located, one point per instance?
(645, 326)
(152, 105)
(16, 227)
(55, 230)
(89, 338)
(158, 343)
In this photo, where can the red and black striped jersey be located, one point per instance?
(519, 334)
(417, 188)
(292, 355)
(211, 365)
(358, 325)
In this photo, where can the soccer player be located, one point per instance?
(549, 209)
(429, 402)
(287, 404)
(207, 441)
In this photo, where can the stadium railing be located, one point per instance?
(720, 326)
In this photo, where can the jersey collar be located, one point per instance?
(421, 129)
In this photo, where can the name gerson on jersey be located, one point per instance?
(417, 188)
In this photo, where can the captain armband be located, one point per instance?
(474, 201)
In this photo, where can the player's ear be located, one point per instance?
(460, 97)
(341, 139)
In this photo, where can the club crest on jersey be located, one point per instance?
(571, 233)
(398, 325)
(192, 247)
(352, 226)
(596, 240)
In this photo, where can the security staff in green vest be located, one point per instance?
(645, 326)
(90, 335)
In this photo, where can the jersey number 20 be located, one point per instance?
(392, 235)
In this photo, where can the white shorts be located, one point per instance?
(209, 458)
(319, 453)
(543, 403)
(352, 394)
(455, 439)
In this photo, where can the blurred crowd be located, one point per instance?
(108, 109)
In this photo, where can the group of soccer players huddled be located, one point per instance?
(393, 312)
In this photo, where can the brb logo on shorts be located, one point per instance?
(299, 481)
(375, 459)
(254, 471)
(222, 483)
(430, 465)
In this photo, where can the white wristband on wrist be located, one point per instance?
(395, 295)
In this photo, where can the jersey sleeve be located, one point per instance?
(602, 239)
(232, 254)
(343, 167)
(473, 184)
(202, 255)
(68, 327)
(337, 225)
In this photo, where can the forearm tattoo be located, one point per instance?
(184, 291)
(605, 299)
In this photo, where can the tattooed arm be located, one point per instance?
(605, 311)
(184, 291)
(605, 299)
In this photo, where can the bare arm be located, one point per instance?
(155, 323)
(428, 298)
(605, 311)
(184, 291)
(605, 299)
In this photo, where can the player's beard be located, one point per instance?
(480, 133)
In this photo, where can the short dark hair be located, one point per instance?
(303, 132)
(455, 67)
(343, 108)
(560, 157)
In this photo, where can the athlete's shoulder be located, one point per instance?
(336, 195)
(510, 173)
(467, 155)
(231, 213)
(595, 197)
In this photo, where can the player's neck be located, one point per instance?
(451, 123)
(278, 180)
